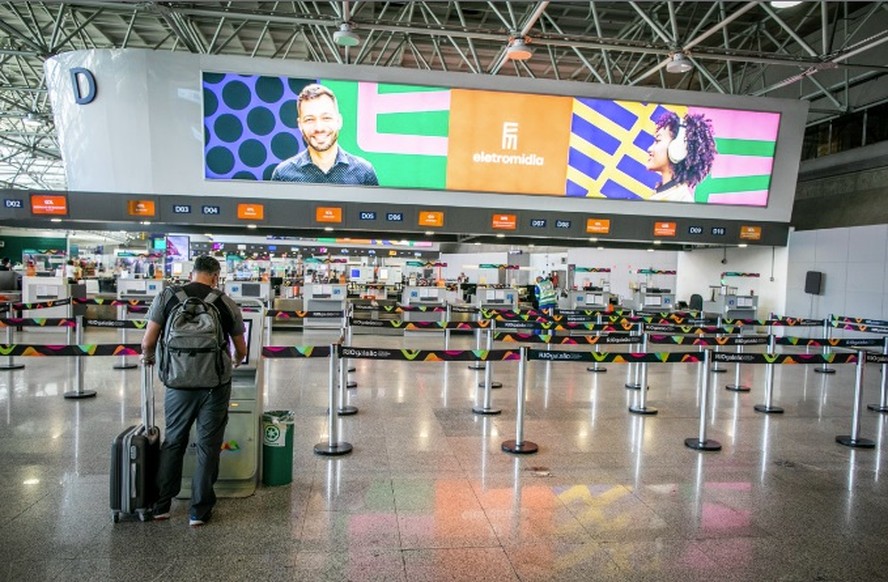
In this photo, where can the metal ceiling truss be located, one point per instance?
(832, 54)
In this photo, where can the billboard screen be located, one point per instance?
(440, 138)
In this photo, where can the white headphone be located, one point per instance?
(677, 150)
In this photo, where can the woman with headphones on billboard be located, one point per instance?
(682, 153)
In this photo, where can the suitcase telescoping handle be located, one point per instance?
(147, 389)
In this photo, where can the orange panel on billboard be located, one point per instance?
(664, 228)
(251, 211)
(504, 221)
(750, 232)
(331, 214)
(140, 207)
(598, 225)
(508, 142)
(49, 204)
(431, 218)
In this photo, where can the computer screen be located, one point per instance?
(252, 290)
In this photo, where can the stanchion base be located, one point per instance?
(524, 448)
(768, 409)
(707, 445)
(825, 370)
(11, 366)
(593, 369)
(639, 410)
(476, 366)
(492, 384)
(347, 410)
(718, 370)
(78, 395)
(351, 384)
(352, 369)
(124, 366)
(737, 388)
(877, 408)
(336, 449)
(857, 444)
(490, 411)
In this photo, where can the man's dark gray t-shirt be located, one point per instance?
(348, 169)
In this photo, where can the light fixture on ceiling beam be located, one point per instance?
(32, 120)
(679, 63)
(345, 36)
(782, 5)
(518, 49)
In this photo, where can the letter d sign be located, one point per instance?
(80, 75)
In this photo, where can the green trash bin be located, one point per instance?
(277, 447)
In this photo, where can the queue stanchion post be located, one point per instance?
(269, 321)
(641, 407)
(123, 364)
(350, 382)
(715, 367)
(768, 407)
(344, 408)
(635, 384)
(447, 317)
(479, 365)
(10, 360)
(854, 439)
(78, 391)
(701, 443)
(519, 446)
(596, 367)
(487, 404)
(333, 447)
(882, 406)
(488, 368)
(825, 369)
(737, 386)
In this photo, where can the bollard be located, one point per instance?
(487, 408)
(78, 391)
(636, 384)
(10, 362)
(737, 386)
(824, 369)
(768, 406)
(488, 368)
(854, 439)
(595, 367)
(333, 446)
(882, 406)
(344, 409)
(642, 407)
(123, 364)
(701, 443)
(520, 446)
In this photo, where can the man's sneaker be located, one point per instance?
(161, 516)
(194, 522)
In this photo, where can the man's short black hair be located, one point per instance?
(207, 264)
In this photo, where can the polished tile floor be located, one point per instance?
(427, 494)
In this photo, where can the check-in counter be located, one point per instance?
(653, 299)
(496, 298)
(41, 290)
(323, 297)
(589, 299)
(732, 306)
(430, 297)
(139, 288)
(258, 290)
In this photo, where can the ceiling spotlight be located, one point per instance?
(782, 5)
(32, 120)
(679, 63)
(345, 36)
(518, 50)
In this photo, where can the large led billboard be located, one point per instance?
(471, 140)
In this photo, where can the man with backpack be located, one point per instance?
(191, 328)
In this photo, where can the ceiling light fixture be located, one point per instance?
(32, 120)
(679, 63)
(518, 49)
(782, 5)
(345, 36)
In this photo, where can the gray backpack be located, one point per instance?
(192, 351)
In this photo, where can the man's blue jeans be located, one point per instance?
(182, 408)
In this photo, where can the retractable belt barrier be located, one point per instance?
(12, 323)
(874, 326)
(113, 302)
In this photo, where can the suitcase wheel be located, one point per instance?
(115, 516)
(143, 516)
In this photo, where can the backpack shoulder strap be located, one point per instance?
(180, 295)
(212, 296)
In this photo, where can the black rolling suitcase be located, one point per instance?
(135, 454)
